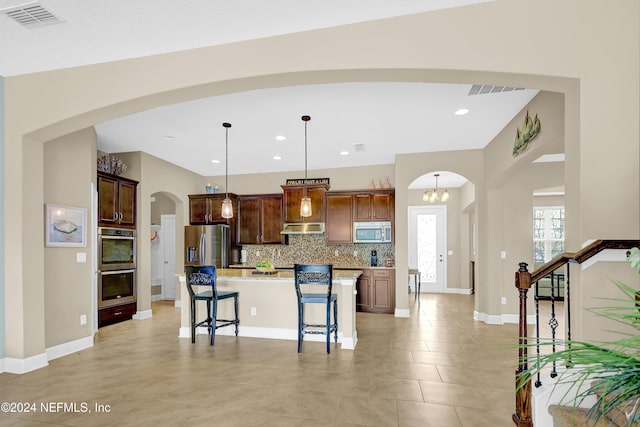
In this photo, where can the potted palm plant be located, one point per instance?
(608, 371)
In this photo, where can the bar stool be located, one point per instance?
(322, 276)
(416, 278)
(205, 276)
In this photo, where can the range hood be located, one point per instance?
(303, 228)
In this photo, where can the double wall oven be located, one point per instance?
(116, 267)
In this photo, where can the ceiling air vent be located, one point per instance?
(482, 89)
(359, 147)
(31, 15)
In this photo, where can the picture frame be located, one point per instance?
(66, 226)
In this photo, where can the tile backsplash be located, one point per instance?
(312, 249)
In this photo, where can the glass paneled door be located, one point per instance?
(427, 245)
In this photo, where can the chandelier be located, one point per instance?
(436, 195)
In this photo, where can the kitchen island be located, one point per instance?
(268, 306)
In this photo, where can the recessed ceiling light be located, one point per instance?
(276, 157)
(461, 112)
(344, 153)
(280, 138)
(215, 161)
(169, 137)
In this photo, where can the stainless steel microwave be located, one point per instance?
(372, 232)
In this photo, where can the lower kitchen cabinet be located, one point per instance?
(376, 291)
(116, 314)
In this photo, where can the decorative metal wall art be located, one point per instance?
(530, 129)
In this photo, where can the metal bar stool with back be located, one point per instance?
(317, 276)
(205, 277)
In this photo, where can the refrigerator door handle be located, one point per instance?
(203, 249)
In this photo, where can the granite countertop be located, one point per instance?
(290, 267)
(247, 274)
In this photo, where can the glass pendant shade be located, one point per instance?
(445, 195)
(227, 208)
(305, 207)
(305, 203)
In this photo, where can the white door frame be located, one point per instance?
(169, 252)
(441, 240)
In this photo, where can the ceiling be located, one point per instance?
(371, 121)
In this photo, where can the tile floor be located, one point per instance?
(437, 368)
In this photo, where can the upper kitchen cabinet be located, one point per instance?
(292, 197)
(374, 205)
(339, 225)
(260, 219)
(207, 208)
(116, 201)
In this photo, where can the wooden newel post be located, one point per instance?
(522, 415)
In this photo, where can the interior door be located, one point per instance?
(428, 246)
(169, 239)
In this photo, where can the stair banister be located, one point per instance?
(522, 417)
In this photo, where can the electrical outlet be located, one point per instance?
(336, 252)
(257, 253)
(503, 254)
(503, 300)
(355, 254)
(253, 311)
(83, 319)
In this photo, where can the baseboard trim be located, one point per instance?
(144, 314)
(402, 312)
(269, 333)
(460, 291)
(22, 366)
(490, 319)
(70, 347)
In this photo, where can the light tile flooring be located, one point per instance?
(437, 368)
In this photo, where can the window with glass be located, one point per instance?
(548, 233)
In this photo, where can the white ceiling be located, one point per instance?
(389, 118)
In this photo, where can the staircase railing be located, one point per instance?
(524, 280)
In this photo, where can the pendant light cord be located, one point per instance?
(226, 158)
(305, 119)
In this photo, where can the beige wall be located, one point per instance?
(484, 43)
(163, 205)
(356, 178)
(68, 285)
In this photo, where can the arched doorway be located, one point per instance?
(441, 231)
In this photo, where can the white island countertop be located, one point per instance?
(268, 306)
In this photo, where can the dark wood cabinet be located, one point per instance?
(207, 209)
(376, 291)
(339, 224)
(292, 196)
(118, 313)
(260, 219)
(116, 201)
(374, 206)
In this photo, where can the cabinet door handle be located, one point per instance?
(117, 313)
(115, 216)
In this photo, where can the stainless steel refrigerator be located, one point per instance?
(207, 245)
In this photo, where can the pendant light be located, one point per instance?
(436, 195)
(227, 206)
(305, 203)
